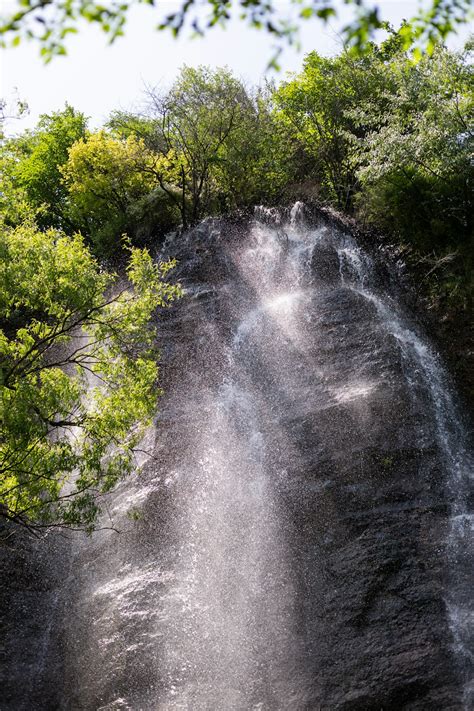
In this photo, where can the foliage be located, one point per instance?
(391, 140)
(51, 21)
(193, 124)
(14, 203)
(78, 373)
(255, 164)
(387, 137)
(105, 177)
(417, 171)
(33, 163)
(315, 107)
(333, 105)
(217, 146)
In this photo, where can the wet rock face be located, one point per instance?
(325, 264)
(290, 548)
(31, 578)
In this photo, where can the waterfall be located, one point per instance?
(300, 538)
(424, 370)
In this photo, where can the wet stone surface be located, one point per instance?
(292, 544)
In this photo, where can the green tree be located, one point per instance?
(14, 204)
(323, 111)
(223, 146)
(417, 172)
(78, 367)
(256, 163)
(194, 124)
(110, 182)
(32, 162)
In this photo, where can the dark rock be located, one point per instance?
(325, 264)
(291, 548)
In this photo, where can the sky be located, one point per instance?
(97, 78)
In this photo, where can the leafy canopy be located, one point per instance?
(193, 124)
(37, 159)
(416, 170)
(104, 178)
(50, 21)
(78, 372)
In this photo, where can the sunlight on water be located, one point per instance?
(282, 304)
(352, 392)
(280, 308)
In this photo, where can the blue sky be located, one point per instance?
(97, 78)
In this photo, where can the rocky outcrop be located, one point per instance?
(32, 576)
(289, 550)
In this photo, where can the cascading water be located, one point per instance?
(423, 370)
(300, 537)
